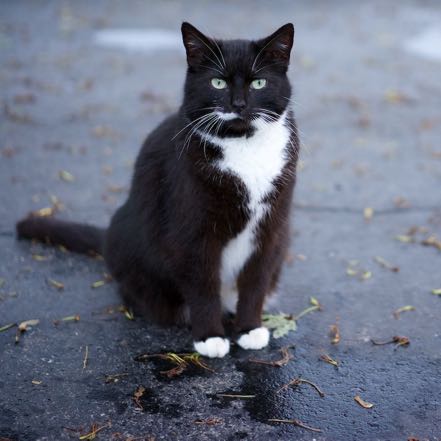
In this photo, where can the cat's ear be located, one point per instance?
(196, 44)
(277, 47)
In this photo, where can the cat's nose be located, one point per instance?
(239, 104)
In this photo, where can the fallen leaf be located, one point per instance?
(385, 264)
(368, 213)
(366, 275)
(404, 238)
(395, 97)
(66, 176)
(280, 323)
(398, 311)
(56, 284)
(363, 403)
(335, 334)
(23, 327)
(39, 257)
(98, 284)
(137, 395)
(436, 291)
(36, 382)
(432, 241)
(328, 359)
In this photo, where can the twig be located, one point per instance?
(297, 381)
(235, 396)
(286, 357)
(294, 422)
(86, 357)
(93, 431)
(6, 327)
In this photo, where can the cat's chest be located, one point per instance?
(256, 161)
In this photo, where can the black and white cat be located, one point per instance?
(205, 227)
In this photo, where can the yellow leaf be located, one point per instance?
(363, 403)
(368, 213)
(66, 176)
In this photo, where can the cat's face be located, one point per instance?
(231, 83)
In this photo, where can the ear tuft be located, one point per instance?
(277, 47)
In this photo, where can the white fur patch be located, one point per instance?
(255, 339)
(257, 161)
(213, 347)
(227, 116)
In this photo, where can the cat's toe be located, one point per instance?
(213, 347)
(257, 338)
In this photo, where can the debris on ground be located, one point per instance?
(181, 362)
(363, 403)
(286, 357)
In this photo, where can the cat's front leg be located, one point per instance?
(254, 282)
(203, 299)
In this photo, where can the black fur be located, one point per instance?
(164, 245)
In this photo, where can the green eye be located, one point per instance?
(258, 84)
(218, 83)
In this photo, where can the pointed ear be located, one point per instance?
(195, 42)
(277, 47)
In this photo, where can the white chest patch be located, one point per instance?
(257, 161)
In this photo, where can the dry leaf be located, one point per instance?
(366, 275)
(328, 359)
(36, 382)
(363, 403)
(385, 264)
(98, 284)
(432, 241)
(281, 323)
(39, 257)
(335, 334)
(398, 311)
(368, 213)
(23, 326)
(55, 284)
(139, 392)
(404, 238)
(66, 176)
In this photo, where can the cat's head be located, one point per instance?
(231, 83)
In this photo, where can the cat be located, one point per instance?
(205, 228)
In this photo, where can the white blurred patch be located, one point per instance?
(426, 44)
(146, 40)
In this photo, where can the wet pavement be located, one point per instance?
(368, 100)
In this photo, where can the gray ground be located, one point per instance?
(369, 113)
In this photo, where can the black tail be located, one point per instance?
(80, 238)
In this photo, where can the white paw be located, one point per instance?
(255, 339)
(213, 347)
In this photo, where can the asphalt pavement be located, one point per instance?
(82, 83)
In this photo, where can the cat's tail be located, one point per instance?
(80, 238)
